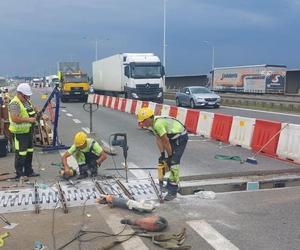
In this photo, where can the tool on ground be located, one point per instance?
(4, 220)
(128, 204)
(229, 157)
(2, 237)
(62, 197)
(252, 159)
(158, 194)
(56, 145)
(36, 198)
(72, 172)
(153, 223)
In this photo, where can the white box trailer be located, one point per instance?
(250, 79)
(137, 75)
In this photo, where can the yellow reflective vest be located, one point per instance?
(23, 127)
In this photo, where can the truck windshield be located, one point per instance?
(76, 79)
(146, 71)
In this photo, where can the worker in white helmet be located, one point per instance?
(22, 116)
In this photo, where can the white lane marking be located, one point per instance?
(63, 110)
(113, 221)
(87, 130)
(138, 173)
(261, 111)
(76, 121)
(68, 114)
(212, 236)
(71, 161)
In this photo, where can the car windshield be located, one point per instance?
(200, 90)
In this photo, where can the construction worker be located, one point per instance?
(22, 117)
(88, 154)
(6, 96)
(171, 137)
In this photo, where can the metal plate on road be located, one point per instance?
(85, 192)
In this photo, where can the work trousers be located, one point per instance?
(23, 154)
(178, 146)
(90, 165)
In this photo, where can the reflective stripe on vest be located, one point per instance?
(23, 127)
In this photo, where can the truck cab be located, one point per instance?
(143, 77)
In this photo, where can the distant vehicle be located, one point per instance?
(138, 76)
(74, 83)
(37, 82)
(250, 79)
(195, 96)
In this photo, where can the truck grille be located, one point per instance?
(210, 99)
(147, 89)
(76, 88)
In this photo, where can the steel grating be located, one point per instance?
(85, 192)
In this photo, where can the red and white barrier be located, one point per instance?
(263, 133)
(242, 131)
(165, 111)
(288, 145)
(205, 122)
(191, 120)
(181, 115)
(221, 127)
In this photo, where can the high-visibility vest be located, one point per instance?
(23, 127)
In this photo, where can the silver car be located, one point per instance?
(196, 96)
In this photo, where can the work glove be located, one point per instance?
(162, 158)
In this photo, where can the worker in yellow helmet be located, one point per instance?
(88, 154)
(171, 137)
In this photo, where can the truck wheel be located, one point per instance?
(63, 99)
(192, 104)
(178, 102)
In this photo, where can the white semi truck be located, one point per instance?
(251, 79)
(138, 76)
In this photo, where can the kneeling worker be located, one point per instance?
(88, 154)
(171, 137)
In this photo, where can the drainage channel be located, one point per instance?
(241, 183)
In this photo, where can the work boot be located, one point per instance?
(172, 192)
(82, 172)
(19, 164)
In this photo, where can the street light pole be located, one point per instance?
(96, 49)
(164, 42)
(213, 54)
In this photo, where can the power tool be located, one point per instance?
(63, 174)
(163, 168)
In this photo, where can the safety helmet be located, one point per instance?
(80, 139)
(25, 89)
(144, 113)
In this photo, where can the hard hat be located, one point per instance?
(25, 89)
(144, 113)
(80, 139)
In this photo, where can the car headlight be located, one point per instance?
(200, 99)
(134, 95)
(159, 94)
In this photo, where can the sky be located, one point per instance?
(36, 34)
